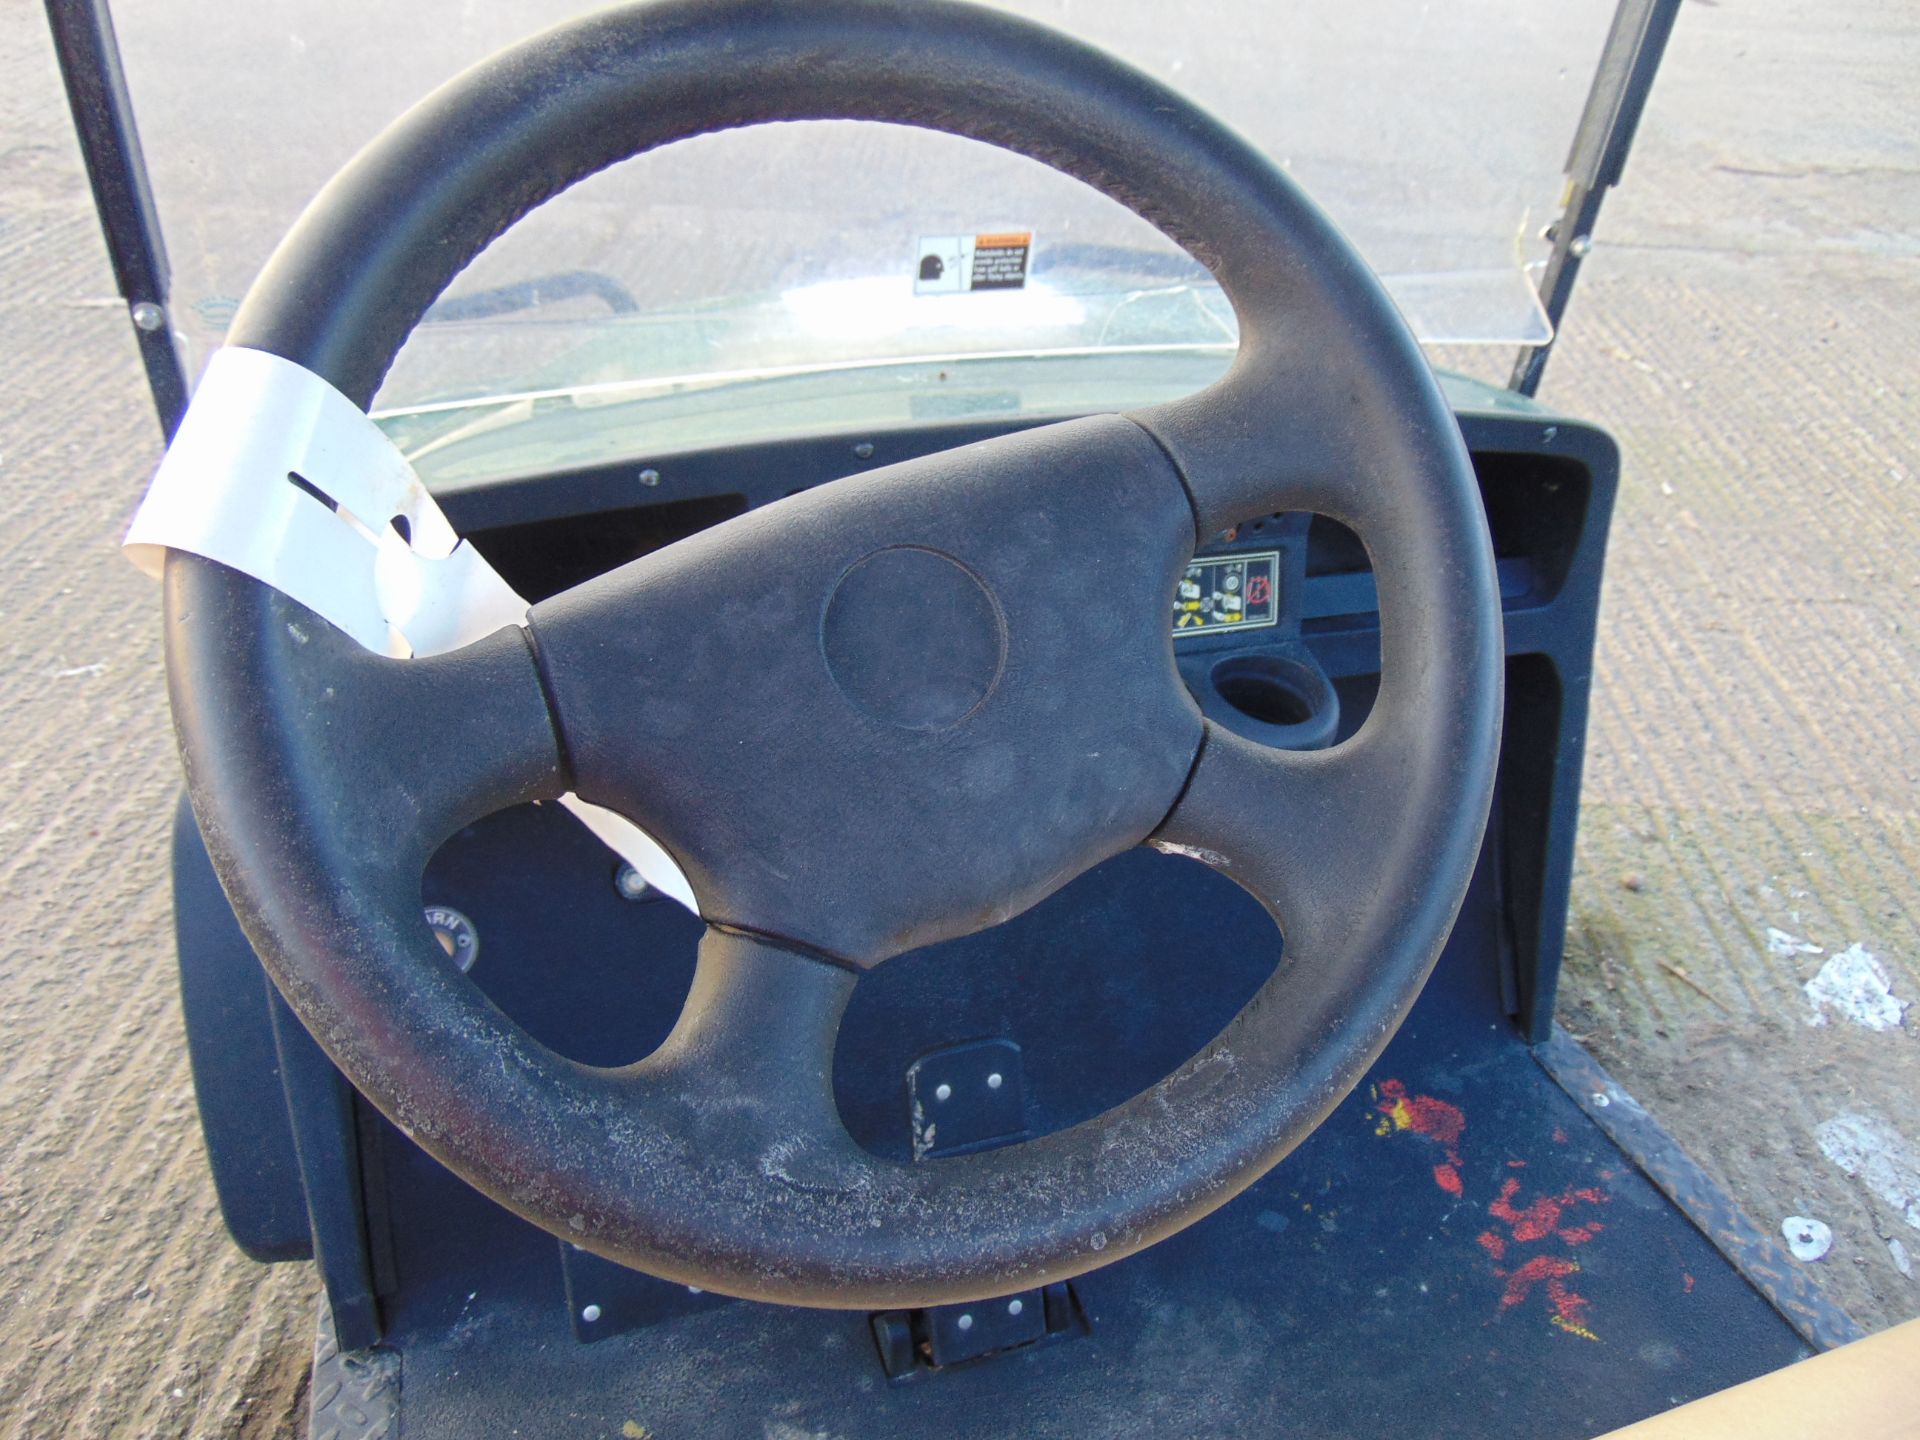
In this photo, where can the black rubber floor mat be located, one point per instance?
(1459, 1250)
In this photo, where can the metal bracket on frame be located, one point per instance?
(1615, 102)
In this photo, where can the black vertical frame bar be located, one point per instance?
(96, 85)
(326, 1142)
(1615, 103)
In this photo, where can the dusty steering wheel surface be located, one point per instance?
(912, 736)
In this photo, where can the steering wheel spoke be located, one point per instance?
(397, 754)
(1276, 433)
(1308, 833)
(746, 1076)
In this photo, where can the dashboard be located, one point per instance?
(1274, 625)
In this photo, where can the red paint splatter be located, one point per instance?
(1569, 1309)
(1542, 1217)
(1520, 1282)
(1422, 1114)
(1687, 1282)
(1436, 1119)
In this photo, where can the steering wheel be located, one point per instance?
(952, 691)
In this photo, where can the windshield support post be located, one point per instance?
(96, 84)
(1615, 102)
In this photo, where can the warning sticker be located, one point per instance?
(1227, 592)
(951, 264)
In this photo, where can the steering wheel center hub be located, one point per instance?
(913, 638)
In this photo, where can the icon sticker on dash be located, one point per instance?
(1227, 592)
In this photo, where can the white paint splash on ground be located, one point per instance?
(1878, 1156)
(1854, 985)
(1783, 946)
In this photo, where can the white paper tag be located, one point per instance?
(275, 473)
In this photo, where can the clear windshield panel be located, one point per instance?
(1434, 134)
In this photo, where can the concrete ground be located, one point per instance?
(1746, 329)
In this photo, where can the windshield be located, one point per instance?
(788, 278)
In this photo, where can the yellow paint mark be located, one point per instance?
(1395, 1117)
(1573, 1327)
(634, 1430)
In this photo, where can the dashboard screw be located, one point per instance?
(863, 451)
(649, 477)
(148, 316)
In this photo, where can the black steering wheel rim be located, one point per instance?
(705, 1189)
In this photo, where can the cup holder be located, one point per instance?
(1277, 696)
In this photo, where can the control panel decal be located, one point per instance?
(1227, 592)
